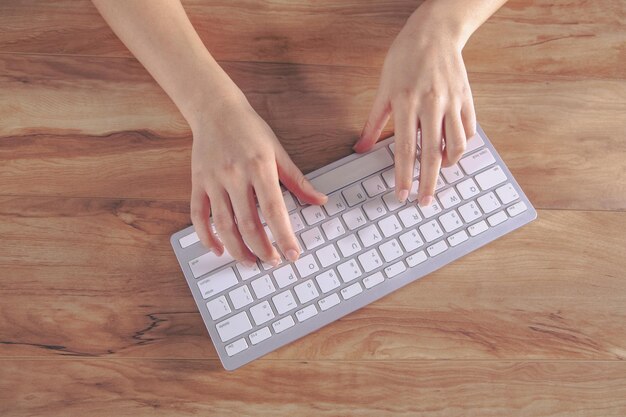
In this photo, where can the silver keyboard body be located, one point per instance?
(285, 326)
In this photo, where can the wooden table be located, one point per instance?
(97, 320)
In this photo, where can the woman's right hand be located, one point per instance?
(235, 157)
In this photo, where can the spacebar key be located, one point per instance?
(352, 171)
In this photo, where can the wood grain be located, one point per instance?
(97, 320)
(564, 37)
(124, 289)
(326, 388)
(96, 127)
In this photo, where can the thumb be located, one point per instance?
(379, 115)
(295, 181)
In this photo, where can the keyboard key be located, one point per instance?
(411, 240)
(263, 286)
(208, 262)
(373, 280)
(452, 173)
(374, 209)
(352, 171)
(327, 281)
(468, 188)
(312, 238)
(474, 143)
(260, 335)
(391, 201)
(431, 210)
(296, 221)
(233, 326)
(307, 266)
(497, 218)
(516, 209)
(409, 216)
(449, 198)
(374, 186)
(413, 191)
(306, 291)
(236, 347)
(290, 203)
(218, 307)
(246, 272)
(349, 245)
(507, 193)
(188, 240)
(440, 184)
(488, 202)
(395, 269)
(334, 204)
(354, 218)
(218, 282)
(240, 297)
(351, 290)
(370, 260)
(390, 177)
(261, 312)
(477, 161)
(391, 250)
(369, 235)
(477, 228)
(457, 238)
(285, 276)
(283, 324)
(431, 231)
(349, 270)
(269, 234)
(437, 248)
(306, 313)
(313, 214)
(333, 228)
(490, 178)
(470, 211)
(328, 255)
(416, 259)
(354, 195)
(328, 302)
(390, 226)
(450, 221)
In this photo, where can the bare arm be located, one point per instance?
(236, 158)
(424, 84)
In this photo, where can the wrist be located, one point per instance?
(441, 21)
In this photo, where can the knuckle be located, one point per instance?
(247, 225)
(196, 215)
(406, 147)
(224, 224)
(273, 210)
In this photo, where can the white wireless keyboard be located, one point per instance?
(362, 245)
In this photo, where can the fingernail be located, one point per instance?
(426, 201)
(248, 264)
(403, 195)
(275, 262)
(292, 255)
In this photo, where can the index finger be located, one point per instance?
(405, 119)
(274, 211)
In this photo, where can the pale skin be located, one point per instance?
(235, 154)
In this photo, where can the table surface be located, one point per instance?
(96, 318)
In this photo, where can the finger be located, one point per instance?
(250, 226)
(455, 139)
(272, 206)
(224, 221)
(378, 117)
(468, 117)
(431, 124)
(405, 119)
(200, 212)
(291, 176)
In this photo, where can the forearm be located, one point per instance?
(458, 18)
(160, 35)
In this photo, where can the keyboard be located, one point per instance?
(362, 245)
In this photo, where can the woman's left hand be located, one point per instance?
(424, 84)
